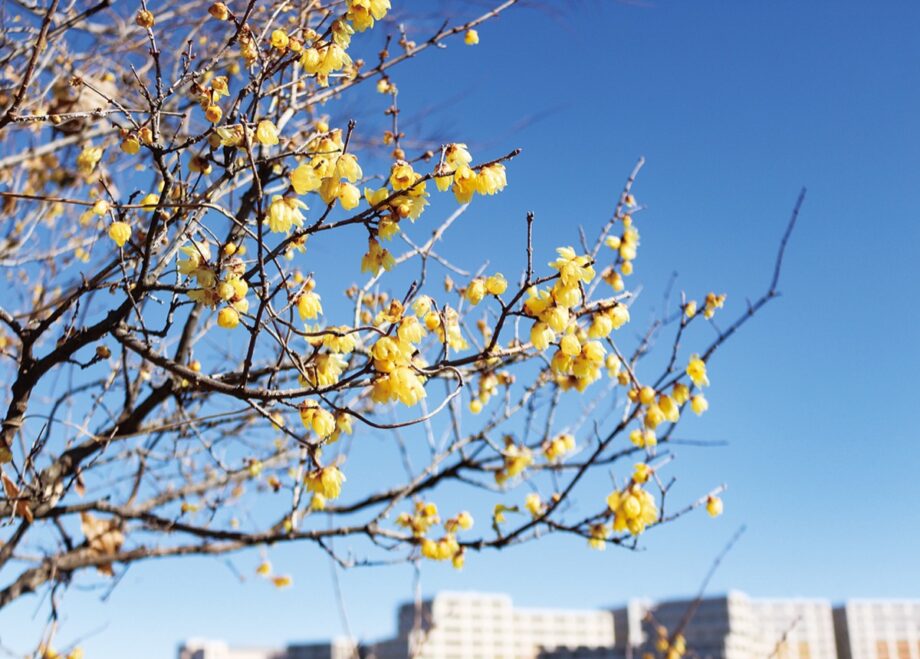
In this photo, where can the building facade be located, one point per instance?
(878, 629)
(488, 626)
(338, 648)
(732, 626)
(735, 626)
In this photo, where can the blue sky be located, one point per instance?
(735, 106)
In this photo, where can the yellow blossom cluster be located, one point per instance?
(633, 509)
(218, 284)
(330, 171)
(558, 446)
(670, 648)
(264, 569)
(325, 482)
(454, 172)
(713, 302)
(425, 517)
(516, 458)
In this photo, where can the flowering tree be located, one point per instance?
(175, 385)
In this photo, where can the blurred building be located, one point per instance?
(205, 649)
(734, 626)
(878, 629)
(338, 648)
(488, 626)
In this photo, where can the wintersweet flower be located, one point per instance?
(696, 370)
(317, 419)
(699, 404)
(325, 481)
(284, 213)
(464, 186)
(266, 133)
(228, 318)
(713, 505)
(120, 232)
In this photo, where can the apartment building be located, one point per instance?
(207, 649)
(337, 648)
(878, 629)
(735, 626)
(732, 626)
(488, 626)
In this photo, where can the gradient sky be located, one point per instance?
(735, 104)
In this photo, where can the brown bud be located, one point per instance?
(144, 18)
(219, 11)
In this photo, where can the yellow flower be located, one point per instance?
(363, 13)
(410, 330)
(646, 395)
(309, 305)
(641, 472)
(457, 155)
(284, 213)
(402, 176)
(264, 569)
(317, 419)
(144, 18)
(696, 369)
(570, 345)
(326, 481)
(471, 38)
(228, 318)
(213, 113)
(680, 393)
(220, 86)
(150, 202)
(476, 291)
(633, 509)
(713, 505)
(496, 284)
(601, 326)
(130, 145)
(464, 184)
(541, 336)
(619, 316)
(305, 178)
(690, 309)
(491, 179)
(220, 11)
(465, 520)
(266, 133)
(699, 404)
(572, 268)
(349, 196)
(557, 447)
(279, 39)
(120, 232)
(598, 539)
(347, 167)
(283, 581)
(376, 258)
(534, 504)
(88, 159)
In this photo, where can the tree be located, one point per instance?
(169, 359)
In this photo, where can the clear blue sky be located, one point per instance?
(735, 104)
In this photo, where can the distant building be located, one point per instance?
(878, 629)
(735, 626)
(732, 626)
(338, 648)
(487, 626)
(204, 649)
